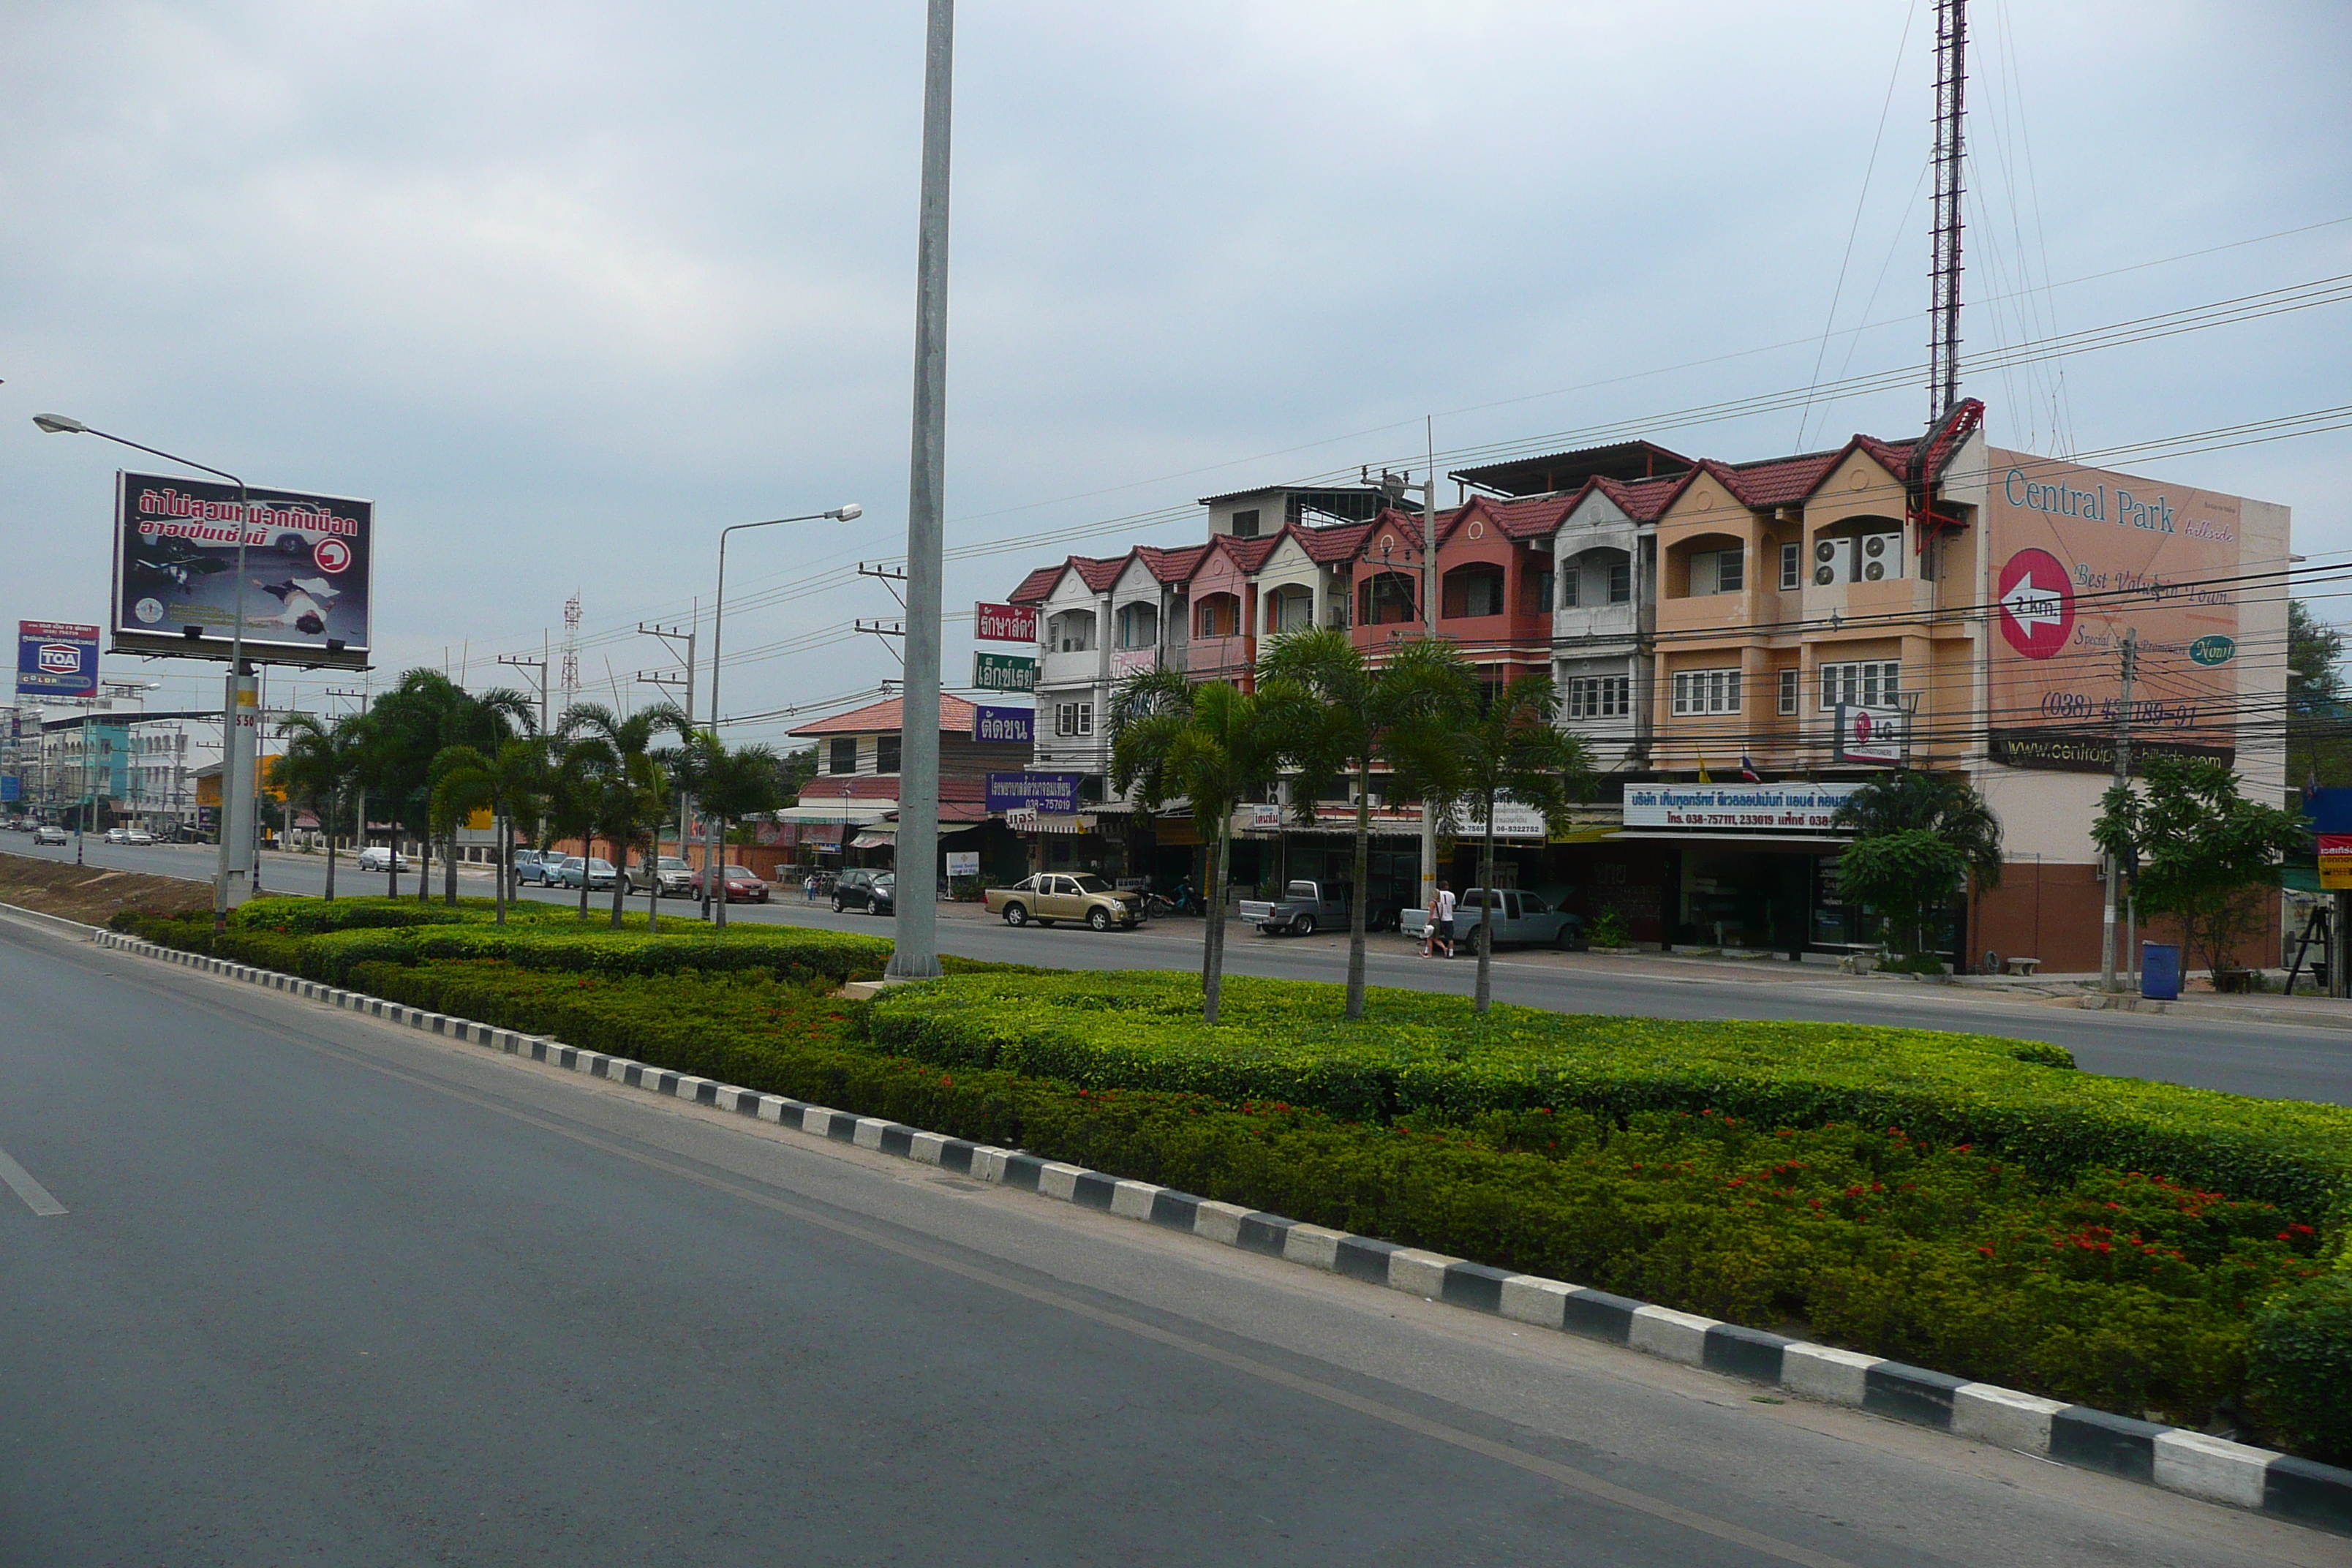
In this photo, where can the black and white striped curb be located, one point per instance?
(2209, 1467)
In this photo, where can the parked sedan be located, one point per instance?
(853, 889)
(537, 866)
(383, 858)
(48, 834)
(139, 836)
(737, 885)
(598, 872)
(117, 836)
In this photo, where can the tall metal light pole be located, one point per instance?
(240, 719)
(914, 955)
(850, 513)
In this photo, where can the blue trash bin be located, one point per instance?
(2160, 971)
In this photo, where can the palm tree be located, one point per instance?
(1917, 836)
(631, 791)
(1362, 713)
(510, 782)
(1214, 745)
(728, 784)
(572, 790)
(322, 761)
(1511, 749)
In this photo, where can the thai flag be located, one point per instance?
(1747, 770)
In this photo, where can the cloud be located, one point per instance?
(565, 287)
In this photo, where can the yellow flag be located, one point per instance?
(1703, 777)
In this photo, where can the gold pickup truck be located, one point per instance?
(1072, 896)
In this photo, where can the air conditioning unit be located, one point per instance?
(1869, 558)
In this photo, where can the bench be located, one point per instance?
(2025, 967)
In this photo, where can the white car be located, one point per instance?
(117, 836)
(139, 836)
(45, 833)
(383, 858)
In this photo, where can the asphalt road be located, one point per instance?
(2276, 1061)
(326, 1291)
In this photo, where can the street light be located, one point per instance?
(849, 513)
(231, 708)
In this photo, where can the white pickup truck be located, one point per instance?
(1523, 918)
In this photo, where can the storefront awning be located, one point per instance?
(854, 812)
(1744, 840)
(872, 840)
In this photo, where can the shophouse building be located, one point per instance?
(847, 814)
(1743, 645)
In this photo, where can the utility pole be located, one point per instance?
(358, 823)
(671, 637)
(539, 668)
(2123, 776)
(916, 955)
(1394, 486)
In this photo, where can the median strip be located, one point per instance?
(2212, 1468)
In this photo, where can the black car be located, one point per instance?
(860, 889)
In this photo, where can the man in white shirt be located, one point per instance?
(1444, 937)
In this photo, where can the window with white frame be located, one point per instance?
(1599, 696)
(1787, 691)
(1870, 683)
(1706, 691)
(1791, 568)
(1074, 717)
(1570, 578)
(1717, 572)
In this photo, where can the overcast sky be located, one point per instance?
(566, 288)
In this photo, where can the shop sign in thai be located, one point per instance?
(1738, 808)
(1004, 623)
(1055, 792)
(1003, 672)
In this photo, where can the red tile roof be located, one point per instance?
(1035, 587)
(1171, 565)
(1776, 481)
(1328, 546)
(887, 716)
(1098, 571)
(1249, 554)
(1641, 499)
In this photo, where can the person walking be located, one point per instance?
(1446, 917)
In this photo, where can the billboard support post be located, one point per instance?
(235, 859)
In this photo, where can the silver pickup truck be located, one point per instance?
(1522, 919)
(1303, 908)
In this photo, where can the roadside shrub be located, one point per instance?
(1424, 1054)
(2300, 1375)
(2114, 1290)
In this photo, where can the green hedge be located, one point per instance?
(1419, 1053)
(361, 931)
(2301, 1372)
(2114, 1289)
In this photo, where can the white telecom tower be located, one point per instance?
(568, 682)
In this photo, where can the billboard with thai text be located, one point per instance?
(305, 590)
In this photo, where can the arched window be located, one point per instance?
(1217, 616)
(1385, 598)
(1474, 590)
(1138, 625)
(1289, 608)
(1072, 631)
